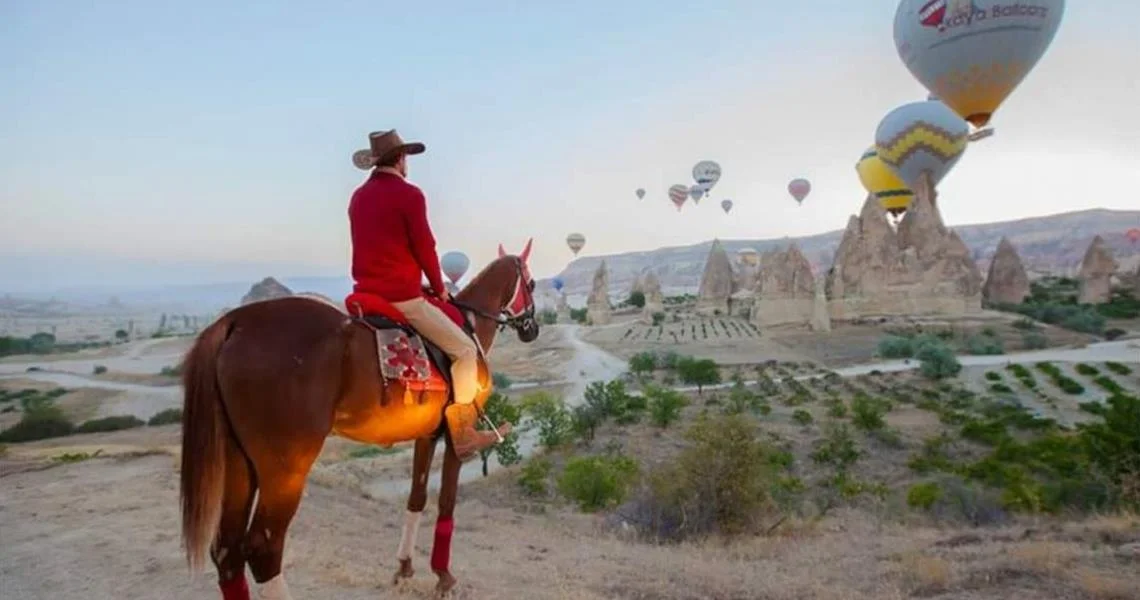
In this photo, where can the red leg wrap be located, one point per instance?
(235, 589)
(441, 548)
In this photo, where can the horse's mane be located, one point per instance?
(492, 268)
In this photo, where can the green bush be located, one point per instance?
(991, 376)
(534, 477)
(1026, 325)
(837, 448)
(937, 361)
(723, 481)
(984, 345)
(597, 482)
(1107, 384)
(923, 495)
(893, 346)
(1084, 319)
(39, 425)
(1114, 445)
(867, 413)
(1118, 368)
(837, 409)
(1094, 408)
(501, 381)
(1034, 341)
(1114, 334)
(1086, 370)
(169, 416)
(665, 405)
(98, 370)
(549, 317)
(1000, 388)
(115, 423)
(802, 417)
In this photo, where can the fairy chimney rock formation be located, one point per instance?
(924, 269)
(654, 299)
(786, 290)
(266, 289)
(747, 277)
(563, 308)
(598, 302)
(716, 282)
(820, 317)
(1096, 272)
(1007, 282)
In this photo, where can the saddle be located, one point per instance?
(404, 355)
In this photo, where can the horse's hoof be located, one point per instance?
(446, 583)
(404, 572)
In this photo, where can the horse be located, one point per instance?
(267, 383)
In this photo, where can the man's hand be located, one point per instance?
(445, 296)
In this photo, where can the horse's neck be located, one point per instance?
(485, 331)
(486, 300)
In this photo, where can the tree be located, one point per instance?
(586, 419)
(121, 335)
(548, 413)
(42, 343)
(643, 363)
(698, 371)
(636, 298)
(498, 409)
(611, 399)
(665, 405)
(937, 360)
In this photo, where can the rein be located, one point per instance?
(504, 319)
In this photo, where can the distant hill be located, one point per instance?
(1051, 244)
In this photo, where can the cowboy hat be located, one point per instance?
(381, 145)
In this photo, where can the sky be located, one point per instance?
(151, 142)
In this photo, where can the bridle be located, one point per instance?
(519, 310)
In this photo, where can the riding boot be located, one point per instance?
(466, 440)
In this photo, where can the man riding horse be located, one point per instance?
(392, 246)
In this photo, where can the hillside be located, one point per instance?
(1054, 243)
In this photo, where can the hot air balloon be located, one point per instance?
(640, 193)
(882, 183)
(557, 283)
(749, 256)
(799, 188)
(972, 57)
(575, 241)
(454, 264)
(695, 192)
(706, 173)
(678, 194)
(921, 137)
(1133, 235)
(726, 204)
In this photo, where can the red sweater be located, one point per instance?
(392, 243)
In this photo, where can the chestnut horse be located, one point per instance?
(269, 381)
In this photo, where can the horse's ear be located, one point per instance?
(502, 252)
(526, 250)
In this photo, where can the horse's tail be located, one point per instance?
(203, 444)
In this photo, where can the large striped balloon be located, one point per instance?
(973, 54)
(921, 137)
(882, 183)
(678, 194)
